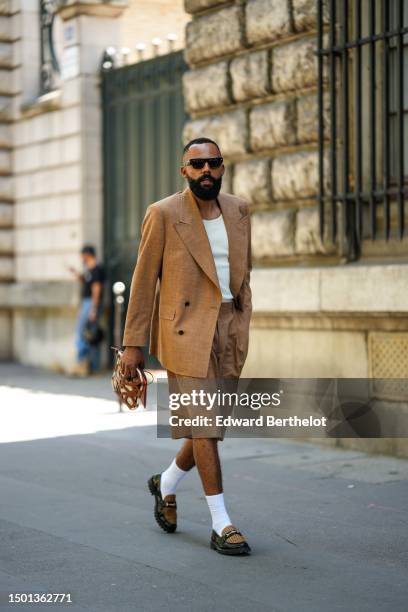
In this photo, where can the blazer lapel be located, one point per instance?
(235, 226)
(192, 232)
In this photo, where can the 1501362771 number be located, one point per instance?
(39, 598)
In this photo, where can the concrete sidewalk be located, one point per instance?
(328, 527)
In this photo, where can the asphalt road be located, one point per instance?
(328, 527)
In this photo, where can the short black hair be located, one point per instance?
(201, 140)
(89, 249)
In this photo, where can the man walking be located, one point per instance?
(190, 287)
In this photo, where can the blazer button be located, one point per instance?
(186, 303)
(180, 332)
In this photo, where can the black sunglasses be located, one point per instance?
(199, 162)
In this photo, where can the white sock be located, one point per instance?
(220, 518)
(170, 479)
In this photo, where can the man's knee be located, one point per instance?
(205, 448)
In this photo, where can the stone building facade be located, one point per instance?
(51, 158)
(252, 86)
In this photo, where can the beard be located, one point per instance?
(205, 192)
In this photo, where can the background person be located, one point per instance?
(92, 284)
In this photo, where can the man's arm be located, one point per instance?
(78, 275)
(143, 289)
(96, 290)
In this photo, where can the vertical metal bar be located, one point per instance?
(358, 123)
(372, 111)
(108, 178)
(333, 116)
(348, 206)
(400, 118)
(386, 118)
(320, 116)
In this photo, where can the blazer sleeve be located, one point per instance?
(245, 292)
(144, 280)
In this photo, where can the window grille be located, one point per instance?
(363, 64)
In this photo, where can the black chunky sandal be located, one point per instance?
(165, 510)
(225, 545)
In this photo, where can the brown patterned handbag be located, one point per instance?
(130, 391)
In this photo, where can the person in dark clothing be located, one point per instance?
(92, 284)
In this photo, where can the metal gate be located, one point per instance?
(143, 118)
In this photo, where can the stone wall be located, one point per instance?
(252, 87)
(9, 32)
(10, 71)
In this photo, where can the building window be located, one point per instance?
(365, 56)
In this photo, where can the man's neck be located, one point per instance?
(206, 206)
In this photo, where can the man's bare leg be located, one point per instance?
(185, 457)
(208, 464)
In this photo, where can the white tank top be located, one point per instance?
(218, 238)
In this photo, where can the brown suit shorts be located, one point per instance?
(224, 369)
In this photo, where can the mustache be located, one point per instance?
(206, 177)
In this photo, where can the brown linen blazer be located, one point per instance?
(175, 291)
